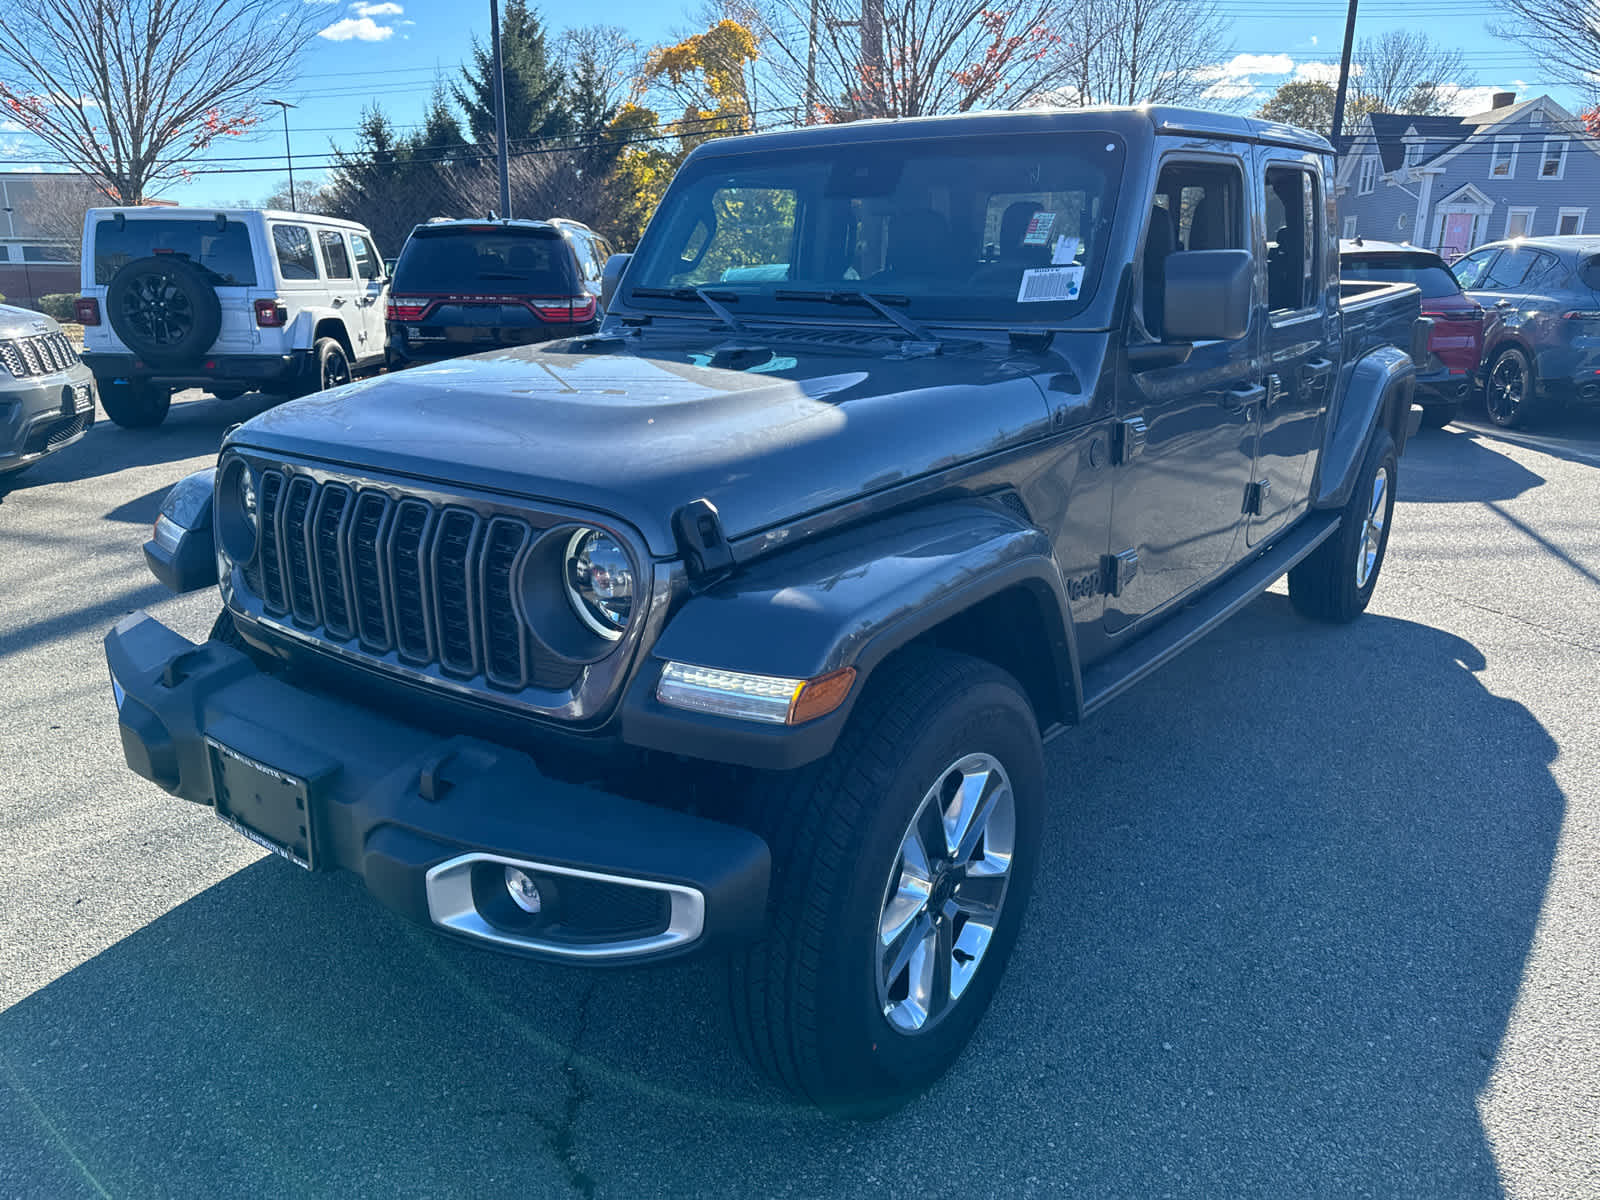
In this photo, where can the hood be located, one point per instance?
(637, 435)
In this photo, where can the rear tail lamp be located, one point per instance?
(407, 308)
(87, 310)
(573, 310)
(270, 314)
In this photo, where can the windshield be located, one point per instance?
(497, 261)
(1424, 270)
(225, 252)
(1005, 228)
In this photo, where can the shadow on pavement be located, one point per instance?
(1451, 466)
(1287, 894)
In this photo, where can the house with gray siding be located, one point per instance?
(1452, 183)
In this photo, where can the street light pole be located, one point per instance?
(500, 112)
(1344, 75)
(287, 156)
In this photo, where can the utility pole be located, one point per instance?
(1344, 73)
(500, 113)
(872, 52)
(811, 63)
(287, 156)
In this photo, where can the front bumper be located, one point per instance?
(41, 415)
(212, 368)
(430, 823)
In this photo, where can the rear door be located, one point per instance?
(374, 291)
(346, 293)
(1302, 326)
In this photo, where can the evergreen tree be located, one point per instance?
(535, 87)
(441, 138)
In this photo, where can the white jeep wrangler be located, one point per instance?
(231, 300)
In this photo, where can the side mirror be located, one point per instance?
(611, 277)
(182, 553)
(1209, 295)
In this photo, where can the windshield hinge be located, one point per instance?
(698, 530)
(1032, 341)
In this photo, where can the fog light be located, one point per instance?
(523, 891)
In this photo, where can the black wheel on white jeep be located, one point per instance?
(164, 308)
(901, 867)
(330, 365)
(1335, 581)
(135, 404)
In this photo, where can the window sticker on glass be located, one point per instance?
(1039, 229)
(1066, 250)
(1049, 283)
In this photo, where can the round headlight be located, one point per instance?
(237, 515)
(599, 579)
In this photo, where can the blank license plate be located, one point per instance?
(270, 807)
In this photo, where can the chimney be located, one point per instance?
(1502, 100)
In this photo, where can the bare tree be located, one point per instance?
(1406, 71)
(1141, 52)
(609, 56)
(56, 206)
(842, 59)
(1562, 35)
(129, 91)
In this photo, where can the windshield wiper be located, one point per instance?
(854, 296)
(692, 293)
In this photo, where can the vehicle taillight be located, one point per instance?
(87, 310)
(572, 310)
(407, 308)
(270, 314)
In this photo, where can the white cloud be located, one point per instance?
(1230, 89)
(1468, 101)
(1242, 65)
(376, 10)
(12, 127)
(1313, 39)
(362, 29)
(1320, 72)
(321, 1)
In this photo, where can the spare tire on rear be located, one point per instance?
(164, 309)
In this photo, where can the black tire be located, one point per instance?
(1437, 416)
(1509, 388)
(230, 392)
(329, 366)
(135, 404)
(1335, 582)
(164, 309)
(807, 1001)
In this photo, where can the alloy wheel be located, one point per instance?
(335, 370)
(943, 898)
(158, 310)
(1372, 528)
(1508, 386)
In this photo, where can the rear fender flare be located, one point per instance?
(1379, 393)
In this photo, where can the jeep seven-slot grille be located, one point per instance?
(30, 356)
(432, 584)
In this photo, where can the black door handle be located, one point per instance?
(1242, 399)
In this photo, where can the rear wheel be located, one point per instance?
(902, 863)
(1508, 394)
(329, 367)
(1336, 580)
(135, 404)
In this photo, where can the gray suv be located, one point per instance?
(46, 393)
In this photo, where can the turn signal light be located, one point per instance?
(87, 310)
(770, 699)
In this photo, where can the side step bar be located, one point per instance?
(1118, 672)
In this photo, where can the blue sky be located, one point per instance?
(391, 50)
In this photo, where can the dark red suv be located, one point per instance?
(1455, 347)
(461, 287)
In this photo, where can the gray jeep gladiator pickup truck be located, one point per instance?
(738, 626)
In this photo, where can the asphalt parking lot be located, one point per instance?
(1317, 916)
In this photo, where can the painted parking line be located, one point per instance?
(1555, 445)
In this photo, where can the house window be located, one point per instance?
(1369, 177)
(48, 254)
(1519, 222)
(1349, 228)
(1553, 165)
(1503, 165)
(1569, 221)
(1413, 153)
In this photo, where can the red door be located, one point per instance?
(1457, 234)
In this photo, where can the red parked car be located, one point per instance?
(1455, 347)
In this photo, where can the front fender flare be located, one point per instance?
(848, 600)
(183, 553)
(1379, 392)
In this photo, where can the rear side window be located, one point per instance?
(224, 253)
(335, 258)
(293, 246)
(490, 261)
(1425, 270)
(367, 264)
(1589, 272)
(1508, 270)
(1292, 241)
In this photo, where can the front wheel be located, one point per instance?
(135, 404)
(1336, 580)
(1509, 391)
(902, 864)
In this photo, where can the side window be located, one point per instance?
(1197, 206)
(1545, 275)
(1471, 270)
(293, 246)
(335, 258)
(1508, 271)
(588, 258)
(368, 265)
(1293, 243)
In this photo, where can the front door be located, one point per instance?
(1302, 303)
(1187, 431)
(374, 295)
